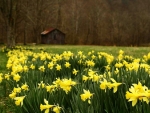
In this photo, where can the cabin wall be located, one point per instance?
(54, 37)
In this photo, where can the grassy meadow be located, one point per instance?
(74, 79)
(133, 51)
(136, 52)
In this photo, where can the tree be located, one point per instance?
(97, 22)
(37, 15)
(9, 11)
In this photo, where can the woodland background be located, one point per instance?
(88, 22)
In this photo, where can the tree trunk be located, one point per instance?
(10, 37)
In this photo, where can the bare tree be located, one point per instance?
(9, 10)
(36, 17)
(119, 22)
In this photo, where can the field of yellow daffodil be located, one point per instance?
(93, 82)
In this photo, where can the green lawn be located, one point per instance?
(136, 52)
(3, 61)
(133, 51)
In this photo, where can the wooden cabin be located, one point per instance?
(52, 36)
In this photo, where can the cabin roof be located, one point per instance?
(47, 31)
(50, 30)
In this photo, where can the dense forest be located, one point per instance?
(89, 22)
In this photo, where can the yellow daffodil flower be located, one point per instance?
(86, 95)
(89, 53)
(116, 71)
(58, 67)
(138, 92)
(80, 53)
(1, 78)
(42, 56)
(120, 57)
(107, 67)
(67, 65)
(104, 84)
(80, 61)
(19, 100)
(32, 66)
(93, 57)
(25, 87)
(118, 65)
(16, 77)
(96, 78)
(45, 107)
(7, 76)
(25, 68)
(66, 84)
(75, 71)
(90, 63)
(42, 68)
(67, 55)
(50, 88)
(132, 96)
(50, 65)
(12, 95)
(121, 52)
(57, 82)
(17, 90)
(41, 85)
(84, 78)
(114, 85)
(58, 57)
(139, 87)
(56, 109)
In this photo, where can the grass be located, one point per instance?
(3, 61)
(136, 52)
